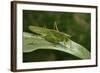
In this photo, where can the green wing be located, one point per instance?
(45, 31)
(39, 30)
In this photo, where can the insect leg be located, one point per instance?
(67, 43)
(55, 26)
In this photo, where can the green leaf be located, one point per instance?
(34, 42)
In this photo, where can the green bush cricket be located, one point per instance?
(50, 35)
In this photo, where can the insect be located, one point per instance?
(50, 35)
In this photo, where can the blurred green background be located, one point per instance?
(75, 24)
